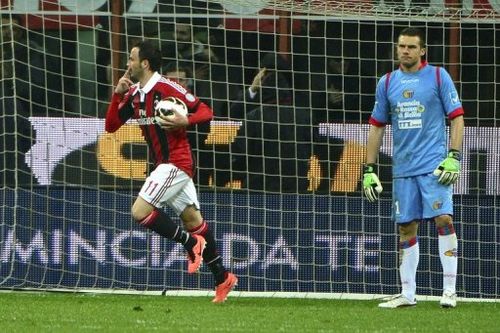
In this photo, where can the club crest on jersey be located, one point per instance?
(142, 113)
(437, 205)
(408, 93)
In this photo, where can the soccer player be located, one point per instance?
(415, 99)
(170, 183)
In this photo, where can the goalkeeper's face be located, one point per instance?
(410, 52)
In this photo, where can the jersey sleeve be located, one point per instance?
(449, 95)
(380, 113)
(119, 111)
(198, 112)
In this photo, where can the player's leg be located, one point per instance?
(438, 204)
(407, 214)
(165, 181)
(187, 203)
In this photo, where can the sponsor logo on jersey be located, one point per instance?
(451, 253)
(410, 109)
(146, 121)
(408, 93)
(410, 123)
(408, 81)
(454, 99)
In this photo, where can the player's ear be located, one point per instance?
(422, 51)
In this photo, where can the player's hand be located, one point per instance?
(258, 79)
(449, 168)
(173, 121)
(124, 83)
(371, 184)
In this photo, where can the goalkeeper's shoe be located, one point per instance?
(448, 300)
(195, 255)
(223, 289)
(449, 169)
(398, 301)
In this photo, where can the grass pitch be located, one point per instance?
(68, 312)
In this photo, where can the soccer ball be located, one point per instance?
(167, 106)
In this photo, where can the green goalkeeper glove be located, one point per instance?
(449, 168)
(371, 184)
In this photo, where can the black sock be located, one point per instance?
(163, 225)
(211, 256)
(218, 270)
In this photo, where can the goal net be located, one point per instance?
(278, 174)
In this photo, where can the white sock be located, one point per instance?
(448, 247)
(408, 270)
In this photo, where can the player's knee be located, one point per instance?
(443, 221)
(140, 212)
(408, 230)
(137, 215)
(191, 217)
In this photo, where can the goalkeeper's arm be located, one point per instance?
(371, 184)
(449, 169)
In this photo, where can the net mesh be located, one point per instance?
(278, 175)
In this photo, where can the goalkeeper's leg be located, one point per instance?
(409, 258)
(448, 247)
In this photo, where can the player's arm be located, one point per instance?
(449, 169)
(371, 183)
(456, 133)
(119, 109)
(202, 113)
(198, 113)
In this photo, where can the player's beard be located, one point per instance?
(135, 75)
(409, 63)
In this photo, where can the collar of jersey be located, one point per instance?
(423, 63)
(151, 83)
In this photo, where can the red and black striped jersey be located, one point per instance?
(139, 104)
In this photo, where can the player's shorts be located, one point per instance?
(169, 185)
(420, 197)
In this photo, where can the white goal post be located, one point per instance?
(278, 177)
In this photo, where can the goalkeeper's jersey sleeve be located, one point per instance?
(416, 105)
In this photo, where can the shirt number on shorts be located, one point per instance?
(151, 185)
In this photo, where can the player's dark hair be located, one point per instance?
(414, 32)
(148, 51)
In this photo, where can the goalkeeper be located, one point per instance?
(415, 99)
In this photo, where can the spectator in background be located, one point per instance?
(23, 66)
(22, 94)
(270, 86)
(181, 74)
(270, 146)
(192, 49)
